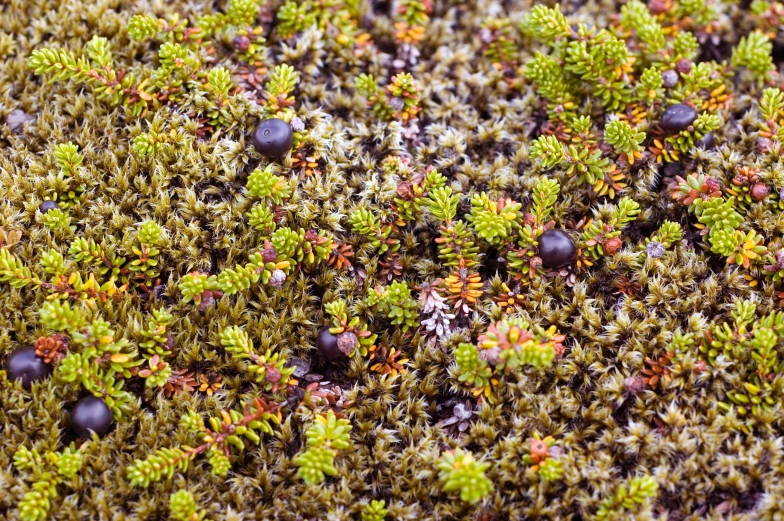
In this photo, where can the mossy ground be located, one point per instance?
(475, 129)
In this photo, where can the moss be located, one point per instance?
(434, 142)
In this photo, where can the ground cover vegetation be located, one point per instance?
(391, 260)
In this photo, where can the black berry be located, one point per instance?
(669, 78)
(91, 414)
(708, 141)
(678, 117)
(48, 205)
(683, 66)
(327, 345)
(273, 137)
(557, 249)
(23, 364)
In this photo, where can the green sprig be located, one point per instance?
(459, 471)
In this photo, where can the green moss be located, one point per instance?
(434, 142)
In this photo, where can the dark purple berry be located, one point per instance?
(23, 364)
(48, 205)
(669, 78)
(91, 414)
(683, 66)
(241, 43)
(273, 137)
(708, 141)
(557, 249)
(678, 117)
(327, 345)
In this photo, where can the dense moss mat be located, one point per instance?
(476, 126)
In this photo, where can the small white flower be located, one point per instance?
(654, 249)
(277, 279)
(397, 103)
(297, 125)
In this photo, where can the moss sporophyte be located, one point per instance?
(343, 259)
